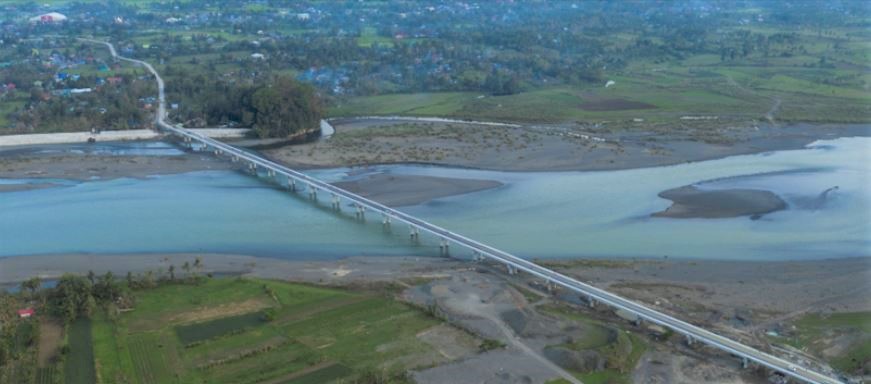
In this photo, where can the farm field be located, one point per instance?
(790, 88)
(233, 330)
(79, 366)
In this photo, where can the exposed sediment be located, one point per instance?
(691, 202)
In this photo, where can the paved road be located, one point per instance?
(692, 332)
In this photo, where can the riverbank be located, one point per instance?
(103, 136)
(533, 148)
(722, 291)
(33, 164)
(104, 167)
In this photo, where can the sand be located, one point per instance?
(691, 202)
(534, 148)
(738, 294)
(404, 190)
(392, 190)
(89, 167)
(126, 135)
(15, 269)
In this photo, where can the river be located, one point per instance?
(559, 214)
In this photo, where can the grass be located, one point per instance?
(79, 364)
(697, 85)
(111, 351)
(193, 333)
(415, 104)
(160, 306)
(6, 107)
(815, 329)
(323, 375)
(621, 349)
(46, 375)
(317, 335)
(369, 36)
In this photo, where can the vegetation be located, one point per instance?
(847, 331)
(621, 349)
(182, 328)
(284, 108)
(79, 365)
(514, 61)
(199, 332)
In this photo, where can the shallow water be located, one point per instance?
(597, 214)
(110, 148)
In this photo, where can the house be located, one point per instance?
(51, 17)
(258, 56)
(25, 313)
(114, 80)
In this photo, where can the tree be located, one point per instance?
(172, 272)
(187, 268)
(285, 108)
(107, 289)
(31, 285)
(72, 297)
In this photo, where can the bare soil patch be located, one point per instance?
(50, 337)
(223, 310)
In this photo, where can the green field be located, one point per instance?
(193, 333)
(79, 364)
(697, 85)
(179, 334)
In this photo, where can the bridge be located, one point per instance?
(297, 181)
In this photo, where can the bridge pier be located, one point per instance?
(745, 362)
(336, 203)
(312, 193)
(690, 340)
(291, 184)
(360, 212)
(385, 221)
(548, 285)
(444, 247)
(477, 256)
(252, 168)
(413, 232)
(234, 159)
(512, 270)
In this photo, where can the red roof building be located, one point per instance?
(26, 312)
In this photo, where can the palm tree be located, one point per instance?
(31, 285)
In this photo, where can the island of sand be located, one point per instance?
(691, 202)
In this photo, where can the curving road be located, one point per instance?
(692, 332)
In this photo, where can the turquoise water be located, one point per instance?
(594, 214)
